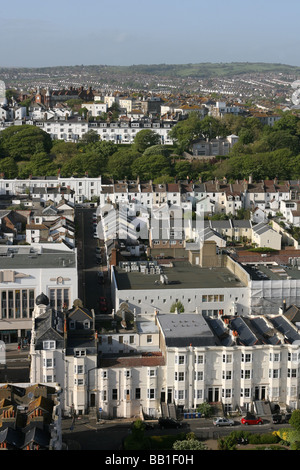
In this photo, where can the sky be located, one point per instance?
(131, 32)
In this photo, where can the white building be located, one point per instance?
(25, 272)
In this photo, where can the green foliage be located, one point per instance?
(295, 420)
(157, 150)
(144, 139)
(205, 409)
(227, 443)
(178, 305)
(21, 142)
(189, 444)
(151, 167)
(165, 442)
(120, 164)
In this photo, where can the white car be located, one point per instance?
(223, 422)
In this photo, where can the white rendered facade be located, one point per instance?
(27, 271)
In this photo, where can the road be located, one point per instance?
(16, 366)
(109, 435)
(89, 287)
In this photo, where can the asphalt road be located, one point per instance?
(89, 287)
(16, 366)
(109, 435)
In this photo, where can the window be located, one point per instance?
(227, 358)
(292, 373)
(227, 374)
(227, 393)
(121, 339)
(246, 374)
(149, 338)
(246, 357)
(114, 394)
(49, 363)
(79, 369)
(151, 393)
(275, 357)
(179, 376)
(274, 373)
(59, 298)
(198, 375)
(137, 393)
(49, 344)
(180, 360)
(152, 372)
(79, 352)
(199, 359)
(127, 373)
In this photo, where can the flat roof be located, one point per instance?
(181, 275)
(271, 271)
(185, 329)
(20, 258)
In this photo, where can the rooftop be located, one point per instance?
(182, 330)
(180, 274)
(21, 257)
(271, 271)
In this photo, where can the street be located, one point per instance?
(89, 287)
(108, 435)
(16, 366)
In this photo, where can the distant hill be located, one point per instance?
(201, 70)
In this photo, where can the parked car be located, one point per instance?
(169, 423)
(223, 422)
(98, 250)
(251, 419)
(103, 304)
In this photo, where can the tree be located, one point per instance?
(177, 305)
(119, 165)
(144, 139)
(205, 409)
(41, 165)
(295, 420)
(90, 137)
(149, 168)
(157, 150)
(9, 167)
(20, 142)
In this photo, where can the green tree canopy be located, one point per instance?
(151, 167)
(21, 142)
(144, 139)
(119, 165)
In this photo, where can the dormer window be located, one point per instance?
(72, 325)
(86, 324)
